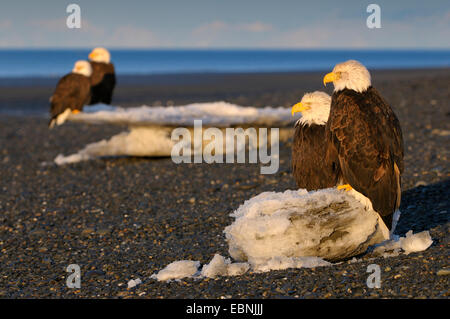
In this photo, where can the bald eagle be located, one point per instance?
(312, 170)
(365, 135)
(72, 92)
(103, 79)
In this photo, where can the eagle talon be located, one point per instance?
(75, 111)
(345, 187)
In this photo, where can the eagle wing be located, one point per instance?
(312, 170)
(72, 91)
(103, 81)
(365, 148)
(392, 130)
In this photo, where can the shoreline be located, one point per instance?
(151, 78)
(30, 95)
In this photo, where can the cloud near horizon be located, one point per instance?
(221, 26)
(55, 33)
(333, 32)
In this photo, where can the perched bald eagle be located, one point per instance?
(365, 135)
(72, 92)
(312, 170)
(103, 79)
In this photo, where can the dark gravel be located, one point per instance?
(124, 218)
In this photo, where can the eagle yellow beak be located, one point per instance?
(92, 55)
(330, 77)
(298, 108)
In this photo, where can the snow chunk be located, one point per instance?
(409, 244)
(218, 266)
(283, 262)
(138, 141)
(177, 270)
(329, 224)
(134, 282)
(418, 242)
(237, 269)
(221, 266)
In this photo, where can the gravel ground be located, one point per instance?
(127, 218)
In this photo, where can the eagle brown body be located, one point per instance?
(311, 168)
(73, 91)
(365, 136)
(103, 81)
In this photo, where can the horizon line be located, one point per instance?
(232, 48)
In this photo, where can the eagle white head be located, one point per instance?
(100, 55)
(82, 67)
(350, 75)
(315, 108)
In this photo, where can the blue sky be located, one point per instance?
(225, 24)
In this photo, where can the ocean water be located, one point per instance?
(51, 63)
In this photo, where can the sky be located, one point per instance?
(225, 24)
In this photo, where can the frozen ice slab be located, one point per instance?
(330, 224)
(150, 128)
(217, 114)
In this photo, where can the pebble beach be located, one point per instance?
(127, 218)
